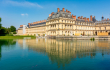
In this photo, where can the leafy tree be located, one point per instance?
(0, 23)
(6, 31)
(3, 31)
(12, 28)
(14, 32)
(0, 26)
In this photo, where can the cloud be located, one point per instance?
(23, 4)
(24, 14)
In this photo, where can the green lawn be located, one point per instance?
(16, 37)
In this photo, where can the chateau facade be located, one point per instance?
(63, 23)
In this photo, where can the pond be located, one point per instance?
(53, 54)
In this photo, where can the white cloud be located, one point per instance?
(24, 4)
(24, 14)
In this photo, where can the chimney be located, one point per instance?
(63, 9)
(74, 17)
(107, 18)
(52, 13)
(81, 17)
(21, 25)
(91, 18)
(66, 10)
(94, 16)
(29, 24)
(78, 17)
(40, 21)
(58, 10)
(88, 19)
(70, 12)
(84, 18)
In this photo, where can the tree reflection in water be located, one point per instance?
(63, 52)
(7, 43)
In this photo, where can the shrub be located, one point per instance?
(38, 34)
(14, 32)
(9, 35)
(43, 34)
(93, 38)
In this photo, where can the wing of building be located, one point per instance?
(63, 23)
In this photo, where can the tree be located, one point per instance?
(0, 23)
(0, 19)
(12, 28)
(3, 31)
(0, 26)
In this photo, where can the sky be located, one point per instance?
(22, 12)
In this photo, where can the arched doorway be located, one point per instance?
(95, 33)
(83, 33)
(109, 33)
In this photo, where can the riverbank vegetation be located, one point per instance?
(7, 31)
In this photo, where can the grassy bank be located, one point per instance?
(16, 37)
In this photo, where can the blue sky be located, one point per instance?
(18, 12)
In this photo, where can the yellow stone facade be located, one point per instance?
(62, 23)
(69, 27)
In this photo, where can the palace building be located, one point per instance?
(63, 23)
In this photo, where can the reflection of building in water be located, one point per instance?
(104, 47)
(64, 51)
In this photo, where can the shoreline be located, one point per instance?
(17, 37)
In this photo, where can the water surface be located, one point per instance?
(51, 54)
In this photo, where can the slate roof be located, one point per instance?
(38, 24)
(60, 14)
(103, 21)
